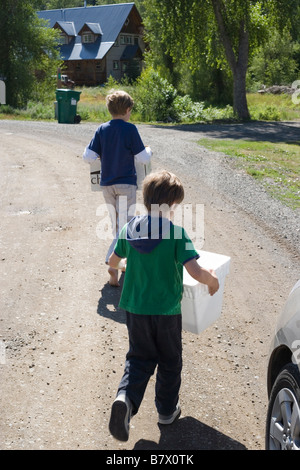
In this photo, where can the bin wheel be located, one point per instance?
(77, 119)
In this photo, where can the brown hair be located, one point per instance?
(162, 187)
(118, 102)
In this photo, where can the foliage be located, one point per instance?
(190, 111)
(54, 4)
(28, 53)
(268, 113)
(155, 97)
(274, 61)
(223, 34)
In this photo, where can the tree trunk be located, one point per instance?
(240, 105)
(239, 75)
(238, 64)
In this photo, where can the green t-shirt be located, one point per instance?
(153, 281)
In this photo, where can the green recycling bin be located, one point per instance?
(67, 106)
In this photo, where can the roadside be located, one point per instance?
(64, 335)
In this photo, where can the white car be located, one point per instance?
(283, 380)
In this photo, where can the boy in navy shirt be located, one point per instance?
(118, 144)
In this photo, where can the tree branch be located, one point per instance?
(218, 6)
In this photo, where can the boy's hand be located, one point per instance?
(213, 285)
(205, 276)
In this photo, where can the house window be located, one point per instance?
(63, 39)
(87, 38)
(126, 40)
(116, 65)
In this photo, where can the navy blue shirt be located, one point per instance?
(116, 142)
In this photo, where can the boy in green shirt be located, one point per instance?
(156, 251)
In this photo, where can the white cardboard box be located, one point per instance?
(95, 168)
(141, 169)
(199, 309)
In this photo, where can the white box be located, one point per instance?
(199, 309)
(142, 170)
(95, 168)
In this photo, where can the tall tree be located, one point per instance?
(28, 50)
(227, 29)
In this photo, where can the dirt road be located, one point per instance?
(63, 339)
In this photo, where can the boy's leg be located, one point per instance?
(121, 200)
(109, 195)
(141, 358)
(168, 379)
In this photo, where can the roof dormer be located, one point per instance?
(90, 32)
(67, 31)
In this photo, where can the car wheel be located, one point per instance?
(283, 417)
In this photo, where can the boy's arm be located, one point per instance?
(202, 275)
(144, 156)
(115, 261)
(89, 155)
(93, 150)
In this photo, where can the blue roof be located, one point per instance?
(95, 28)
(110, 18)
(68, 27)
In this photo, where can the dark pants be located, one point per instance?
(154, 340)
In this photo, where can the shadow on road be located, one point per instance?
(189, 434)
(109, 301)
(288, 132)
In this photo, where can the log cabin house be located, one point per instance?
(99, 41)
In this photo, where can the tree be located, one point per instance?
(28, 51)
(219, 30)
(274, 62)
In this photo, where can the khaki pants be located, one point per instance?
(120, 200)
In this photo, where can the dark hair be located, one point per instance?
(118, 102)
(162, 187)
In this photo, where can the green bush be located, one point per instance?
(154, 97)
(7, 109)
(39, 110)
(266, 113)
(189, 111)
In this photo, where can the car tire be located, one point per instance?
(283, 416)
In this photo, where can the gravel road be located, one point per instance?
(63, 338)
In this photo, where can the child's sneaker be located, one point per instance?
(120, 417)
(162, 419)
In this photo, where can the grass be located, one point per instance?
(92, 108)
(276, 166)
(272, 107)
